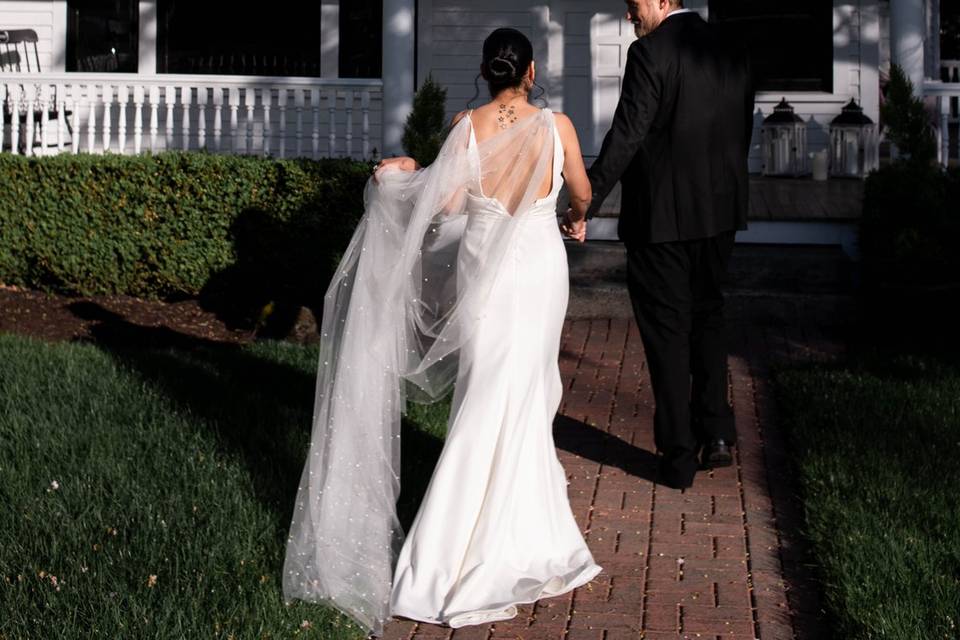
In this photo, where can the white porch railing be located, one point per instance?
(123, 113)
(950, 72)
(947, 95)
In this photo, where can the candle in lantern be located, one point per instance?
(850, 157)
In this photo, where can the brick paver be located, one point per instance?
(720, 560)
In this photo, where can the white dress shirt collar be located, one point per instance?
(677, 12)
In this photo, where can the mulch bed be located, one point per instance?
(112, 318)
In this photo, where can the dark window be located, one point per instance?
(102, 35)
(950, 31)
(790, 41)
(218, 37)
(361, 41)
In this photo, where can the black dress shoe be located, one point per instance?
(716, 453)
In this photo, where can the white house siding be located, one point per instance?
(47, 18)
(451, 33)
(451, 37)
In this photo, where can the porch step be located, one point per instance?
(784, 200)
(797, 274)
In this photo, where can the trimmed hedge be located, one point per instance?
(176, 224)
(909, 261)
(910, 226)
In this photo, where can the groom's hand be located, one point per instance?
(573, 229)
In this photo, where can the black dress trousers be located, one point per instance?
(677, 297)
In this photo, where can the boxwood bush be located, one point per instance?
(910, 226)
(177, 224)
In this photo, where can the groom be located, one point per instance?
(678, 145)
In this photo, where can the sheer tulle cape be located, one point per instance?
(395, 315)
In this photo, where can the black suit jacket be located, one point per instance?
(680, 135)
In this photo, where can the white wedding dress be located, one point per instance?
(495, 527)
(456, 275)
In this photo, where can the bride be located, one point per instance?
(456, 276)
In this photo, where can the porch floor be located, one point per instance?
(802, 199)
(789, 200)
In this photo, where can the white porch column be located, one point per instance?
(147, 47)
(908, 26)
(398, 58)
(58, 57)
(330, 38)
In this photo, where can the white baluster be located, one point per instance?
(298, 101)
(3, 100)
(45, 103)
(31, 99)
(315, 108)
(91, 116)
(186, 99)
(202, 117)
(250, 98)
(138, 95)
(217, 117)
(332, 132)
(348, 98)
(266, 99)
(154, 116)
(61, 107)
(234, 100)
(75, 98)
(16, 93)
(170, 97)
(282, 105)
(365, 125)
(123, 96)
(944, 130)
(107, 103)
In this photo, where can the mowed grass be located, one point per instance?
(877, 446)
(148, 493)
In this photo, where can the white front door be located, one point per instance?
(611, 37)
(588, 49)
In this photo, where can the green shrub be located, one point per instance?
(909, 226)
(425, 129)
(906, 121)
(177, 224)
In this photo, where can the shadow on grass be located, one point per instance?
(419, 454)
(259, 408)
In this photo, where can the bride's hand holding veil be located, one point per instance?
(401, 163)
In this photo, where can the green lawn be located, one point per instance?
(877, 445)
(147, 493)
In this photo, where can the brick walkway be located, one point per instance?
(707, 562)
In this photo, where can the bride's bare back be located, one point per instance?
(511, 107)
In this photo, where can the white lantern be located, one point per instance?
(854, 144)
(784, 137)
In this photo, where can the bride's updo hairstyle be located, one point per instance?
(507, 55)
